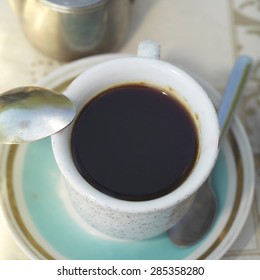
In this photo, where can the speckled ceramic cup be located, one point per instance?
(142, 219)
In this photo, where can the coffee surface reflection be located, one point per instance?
(134, 142)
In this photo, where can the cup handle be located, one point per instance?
(16, 6)
(149, 49)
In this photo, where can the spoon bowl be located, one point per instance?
(187, 232)
(31, 113)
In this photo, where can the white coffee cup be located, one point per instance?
(135, 220)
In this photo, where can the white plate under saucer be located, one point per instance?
(37, 210)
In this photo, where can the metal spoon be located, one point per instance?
(199, 218)
(32, 113)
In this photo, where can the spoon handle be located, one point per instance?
(233, 92)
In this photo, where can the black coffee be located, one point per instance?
(134, 142)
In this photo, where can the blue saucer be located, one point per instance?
(46, 226)
(51, 218)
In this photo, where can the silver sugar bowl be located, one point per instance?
(70, 29)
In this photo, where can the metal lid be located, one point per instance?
(71, 4)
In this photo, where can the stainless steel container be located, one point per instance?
(70, 29)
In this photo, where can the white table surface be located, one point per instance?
(203, 35)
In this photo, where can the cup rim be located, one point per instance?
(61, 149)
